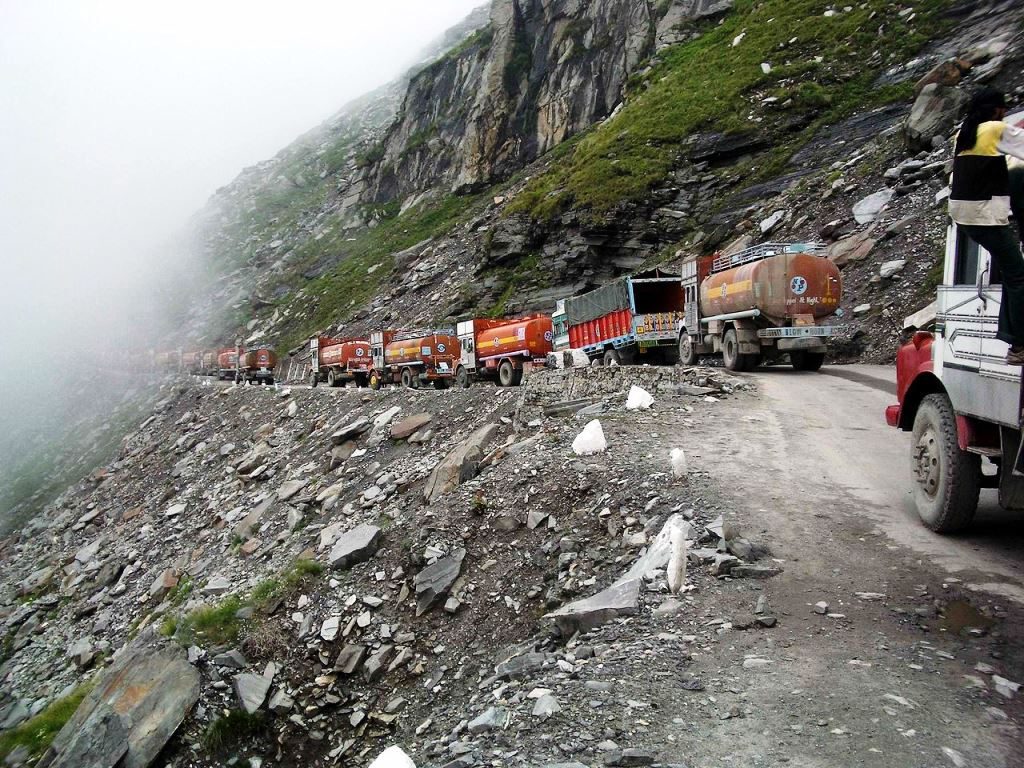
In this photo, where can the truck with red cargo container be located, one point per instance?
(502, 350)
(339, 361)
(209, 364)
(760, 303)
(168, 362)
(629, 321)
(413, 358)
(957, 396)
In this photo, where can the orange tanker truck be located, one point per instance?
(338, 361)
(502, 350)
(227, 363)
(760, 303)
(257, 365)
(413, 358)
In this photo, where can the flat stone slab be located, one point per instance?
(620, 599)
(137, 705)
(434, 581)
(252, 691)
(407, 427)
(355, 546)
(350, 431)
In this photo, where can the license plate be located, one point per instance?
(442, 366)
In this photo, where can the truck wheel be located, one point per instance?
(807, 361)
(687, 350)
(506, 373)
(462, 377)
(946, 479)
(731, 351)
(611, 357)
(407, 378)
(374, 380)
(314, 379)
(332, 379)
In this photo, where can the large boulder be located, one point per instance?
(137, 705)
(434, 581)
(460, 465)
(355, 546)
(933, 116)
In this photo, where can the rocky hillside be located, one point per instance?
(563, 144)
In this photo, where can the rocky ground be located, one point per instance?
(345, 569)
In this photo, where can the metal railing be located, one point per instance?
(764, 251)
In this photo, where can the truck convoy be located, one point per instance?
(759, 303)
(413, 358)
(632, 320)
(502, 350)
(339, 361)
(957, 396)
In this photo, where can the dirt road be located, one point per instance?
(829, 431)
(890, 676)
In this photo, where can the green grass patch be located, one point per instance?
(214, 625)
(231, 729)
(708, 85)
(36, 734)
(335, 296)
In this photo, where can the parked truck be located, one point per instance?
(339, 361)
(957, 396)
(413, 358)
(258, 365)
(210, 363)
(628, 321)
(760, 303)
(227, 363)
(502, 350)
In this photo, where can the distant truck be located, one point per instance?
(413, 358)
(339, 361)
(957, 396)
(209, 363)
(254, 365)
(502, 350)
(755, 305)
(628, 321)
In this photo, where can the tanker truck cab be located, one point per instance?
(759, 304)
(957, 396)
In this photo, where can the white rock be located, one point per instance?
(738, 39)
(676, 570)
(867, 209)
(329, 629)
(639, 399)
(678, 458)
(393, 757)
(890, 268)
(590, 441)
(1005, 688)
(860, 309)
(766, 67)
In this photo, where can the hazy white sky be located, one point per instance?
(120, 118)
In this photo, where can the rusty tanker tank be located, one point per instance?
(258, 365)
(759, 304)
(502, 350)
(413, 358)
(779, 287)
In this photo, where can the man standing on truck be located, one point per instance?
(979, 203)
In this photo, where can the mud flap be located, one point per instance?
(1011, 484)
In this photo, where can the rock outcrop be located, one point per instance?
(541, 72)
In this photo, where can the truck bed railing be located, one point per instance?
(421, 332)
(764, 251)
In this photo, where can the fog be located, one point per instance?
(118, 119)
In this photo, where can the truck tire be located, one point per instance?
(407, 378)
(947, 480)
(611, 357)
(731, 351)
(517, 377)
(332, 378)
(687, 350)
(375, 380)
(807, 361)
(462, 377)
(506, 373)
(314, 379)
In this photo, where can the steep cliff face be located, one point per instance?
(542, 71)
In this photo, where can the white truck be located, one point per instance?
(957, 395)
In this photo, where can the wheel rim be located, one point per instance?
(927, 465)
